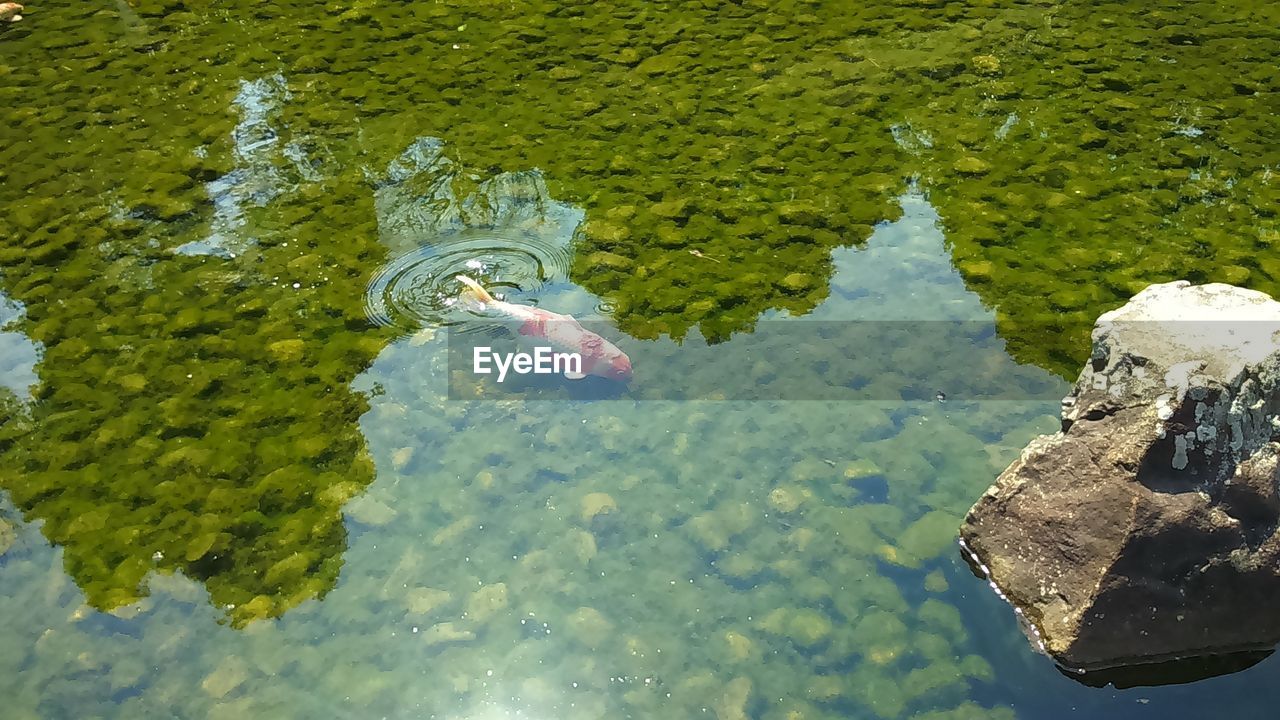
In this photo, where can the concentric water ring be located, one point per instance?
(418, 290)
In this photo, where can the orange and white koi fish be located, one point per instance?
(11, 12)
(599, 356)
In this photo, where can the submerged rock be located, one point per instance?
(589, 627)
(8, 535)
(739, 646)
(229, 675)
(425, 600)
(487, 602)
(732, 705)
(926, 538)
(445, 633)
(1146, 529)
(596, 504)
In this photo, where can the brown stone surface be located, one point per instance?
(1146, 529)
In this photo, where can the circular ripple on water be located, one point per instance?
(418, 289)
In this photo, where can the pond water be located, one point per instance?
(236, 477)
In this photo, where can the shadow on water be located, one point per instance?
(1173, 672)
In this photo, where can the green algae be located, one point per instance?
(927, 537)
(195, 435)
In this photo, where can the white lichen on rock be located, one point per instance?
(1204, 357)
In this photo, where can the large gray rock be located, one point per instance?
(1145, 530)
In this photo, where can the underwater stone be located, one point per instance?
(401, 458)
(484, 479)
(8, 535)
(487, 601)
(971, 166)
(875, 687)
(732, 705)
(583, 545)
(825, 688)
(446, 632)
(801, 537)
(595, 504)
(976, 667)
(713, 530)
(661, 64)
(861, 469)
(671, 209)
(986, 64)
(740, 567)
(627, 56)
(589, 627)
(368, 511)
(799, 212)
(926, 538)
(796, 282)
(423, 600)
(936, 582)
(134, 609)
(880, 631)
(786, 499)
(229, 675)
(739, 646)
(1235, 274)
(968, 711)
(1146, 529)
(931, 680)
(286, 350)
(807, 627)
(608, 260)
(606, 233)
(453, 530)
(939, 616)
(564, 73)
(133, 382)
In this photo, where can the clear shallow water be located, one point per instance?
(623, 558)
(238, 487)
(600, 559)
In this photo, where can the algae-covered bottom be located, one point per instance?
(235, 486)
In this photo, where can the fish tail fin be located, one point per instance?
(475, 290)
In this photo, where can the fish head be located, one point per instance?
(616, 367)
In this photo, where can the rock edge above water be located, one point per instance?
(1146, 529)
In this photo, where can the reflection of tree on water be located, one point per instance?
(261, 173)
(424, 194)
(438, 221)
(193, 412)
(18, 356)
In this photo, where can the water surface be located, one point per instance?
(234, 483)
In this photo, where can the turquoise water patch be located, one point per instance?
(18, 355)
